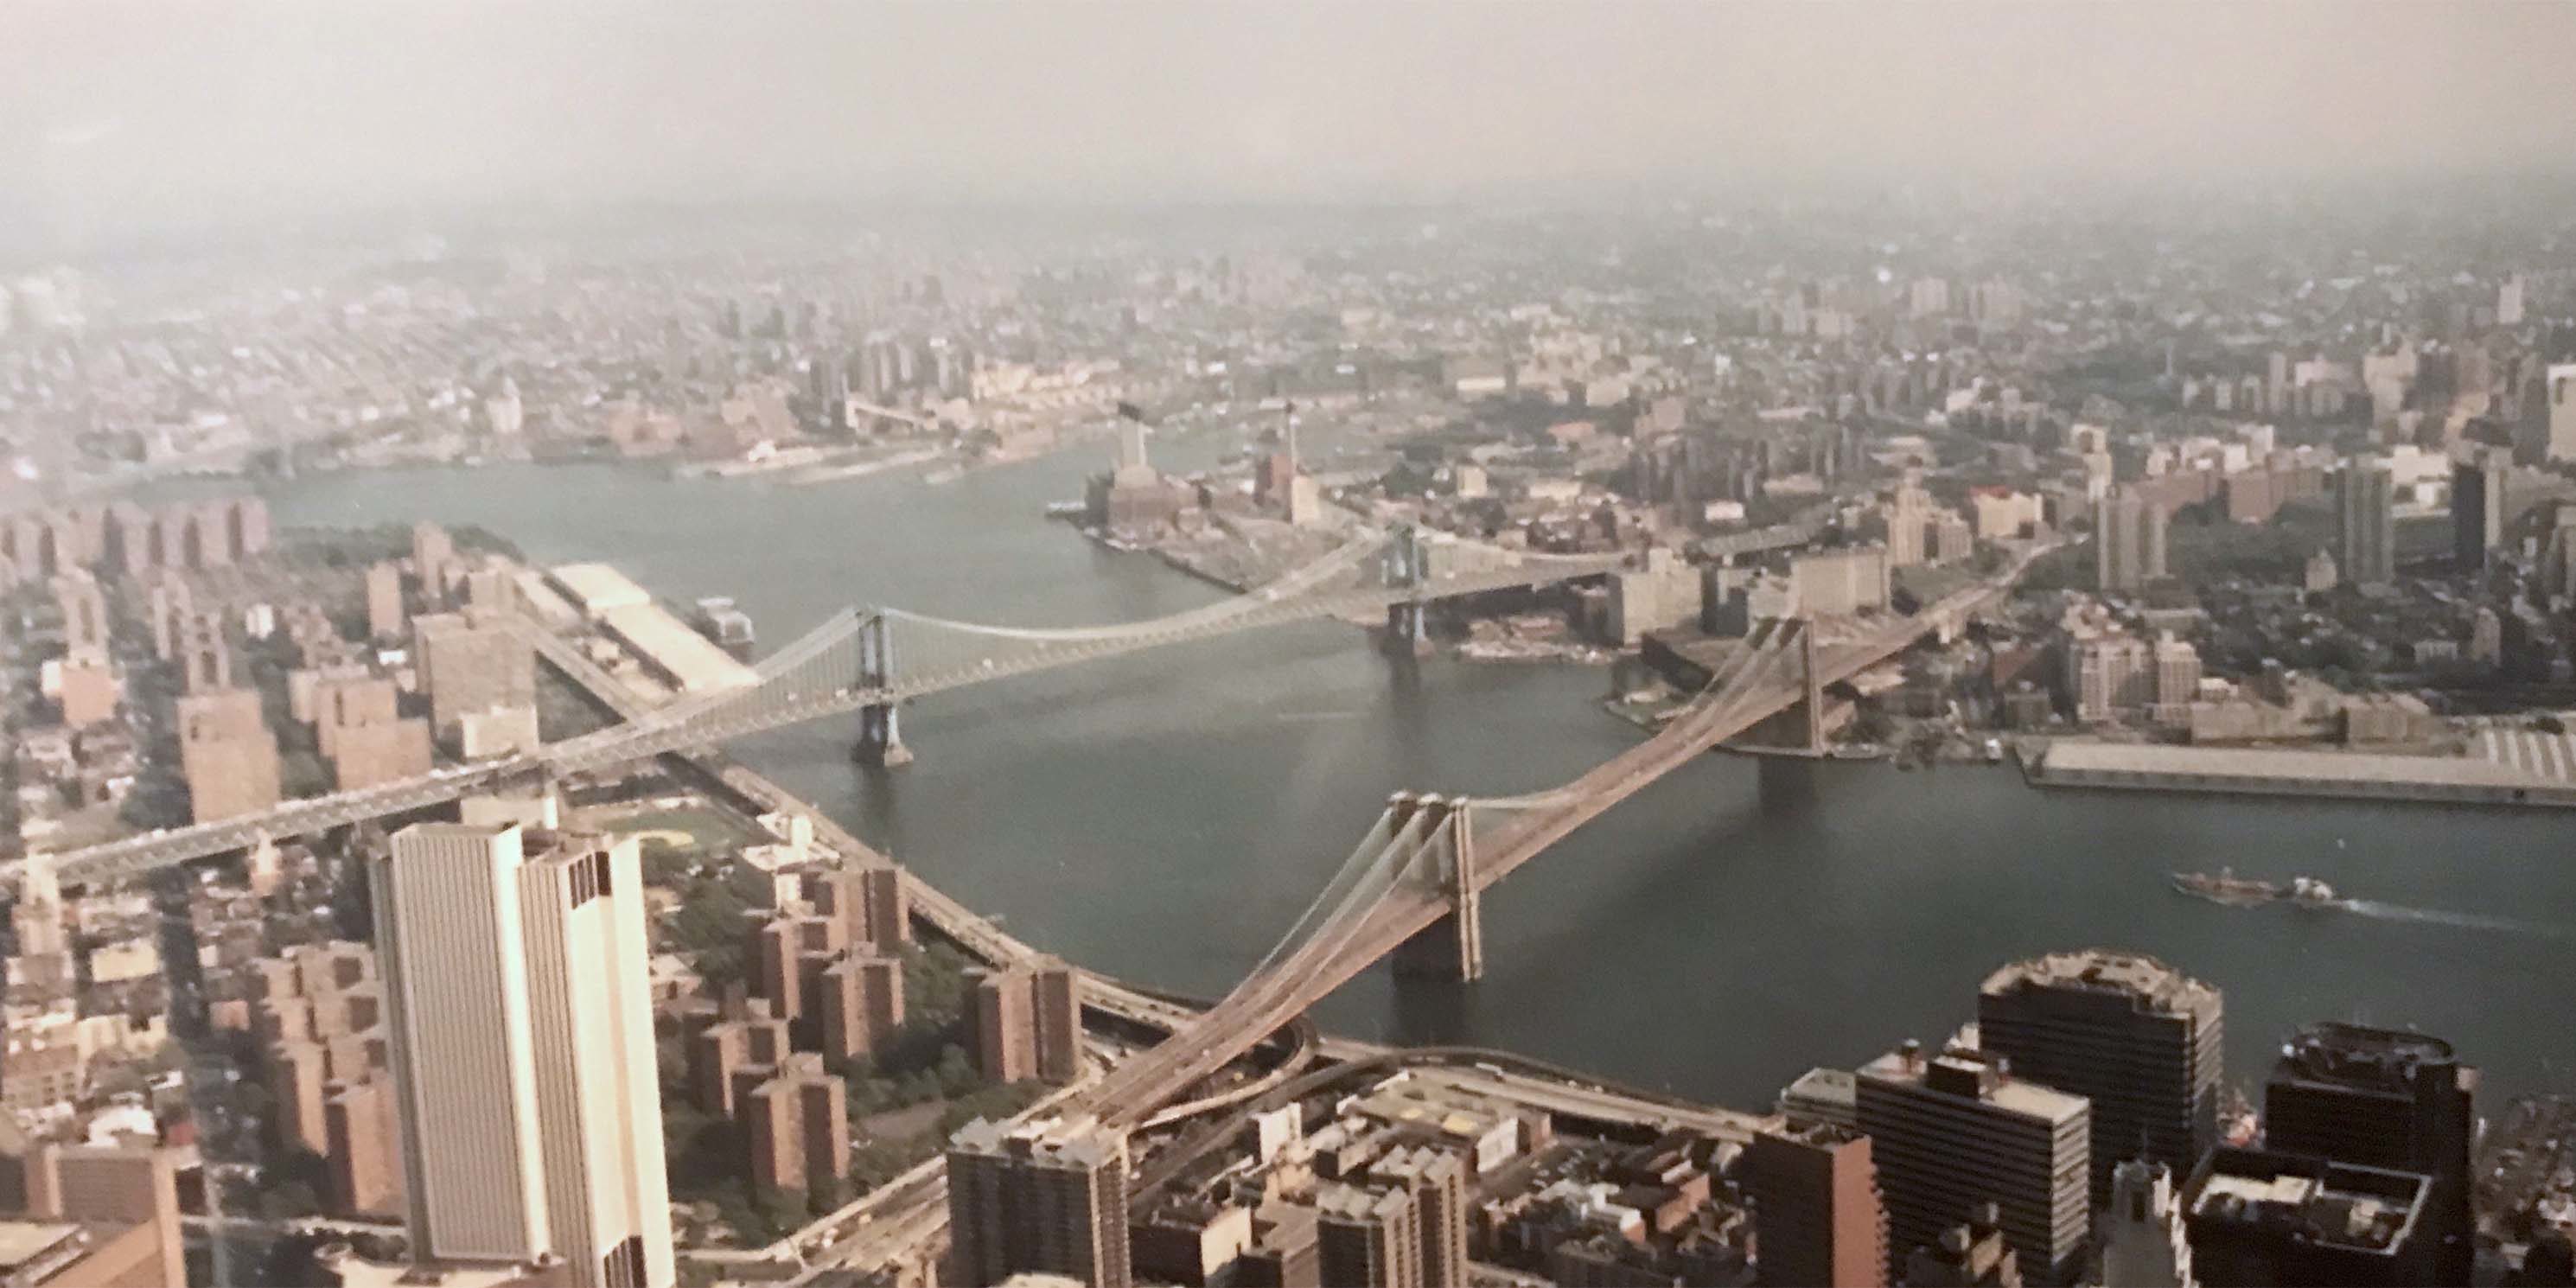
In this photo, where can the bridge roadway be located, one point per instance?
(1763, 685)
(744, 712)
(726, 721)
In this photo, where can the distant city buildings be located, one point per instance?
(2129, 536)
(481, 679)
(89, 1214)
(1841, 582)
(132, 540)
(227, 754)
(319, 1008)
(2479, 507)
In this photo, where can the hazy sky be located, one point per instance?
(115, 117)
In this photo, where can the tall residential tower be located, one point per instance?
(1048, 1197)
(2366, 522)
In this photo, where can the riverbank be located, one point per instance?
(2435, 780)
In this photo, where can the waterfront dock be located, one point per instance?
(2444, 780)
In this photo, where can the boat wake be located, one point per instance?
(2462, 920)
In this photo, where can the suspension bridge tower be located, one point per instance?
(1787, 775)
(880, 738)
(1453, 947)
(1408, 567)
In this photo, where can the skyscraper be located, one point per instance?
(2385, 1099)
(2136, 1037)
(2477, 509)
(515, 974)
(1047, 1196)
(1951, 1131)
(1818, 1221)
(2366, 522)
(2128, 541)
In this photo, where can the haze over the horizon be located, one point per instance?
(138, 119)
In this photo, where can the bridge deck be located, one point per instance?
(1768, 682)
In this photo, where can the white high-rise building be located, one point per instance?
(1909, 511)
(2560, 445)
(522, 1024)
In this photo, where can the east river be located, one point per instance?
(1164, 817)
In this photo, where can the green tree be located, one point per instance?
(734, 1210)
(666, 864)
(711, 929)
(781, 1211)
(957, 1075)
(875, 1162)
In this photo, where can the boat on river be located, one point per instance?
(2239, 892)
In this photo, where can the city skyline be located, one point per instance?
(1755, 644)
